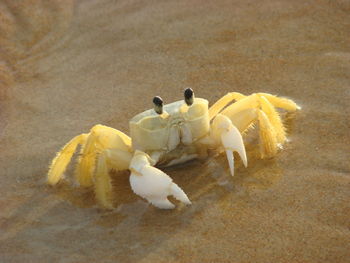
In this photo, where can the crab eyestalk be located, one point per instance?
(158, 104)
(189, 96)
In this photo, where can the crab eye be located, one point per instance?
(158, 104)
(189, 96)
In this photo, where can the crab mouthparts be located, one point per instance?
(179, 132)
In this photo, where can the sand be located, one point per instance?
(66, 66)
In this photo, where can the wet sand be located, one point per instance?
(66, 66)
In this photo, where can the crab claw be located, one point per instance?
(153, 184)
(231, 140)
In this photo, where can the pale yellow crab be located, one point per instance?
(171, 134)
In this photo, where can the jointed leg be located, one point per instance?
(282, 103)
(223, 102)
(63, 157)
(100, 138)
(268, 136)
(103, 186)
(107, 160)
(274, 118)
(86, 162)
(268, 131)
(244, 119)
(249, 102)
(261, 107)
(246, 102)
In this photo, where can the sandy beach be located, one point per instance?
(68, 65)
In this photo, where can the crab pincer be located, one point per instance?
(230, 138)
(153, 184)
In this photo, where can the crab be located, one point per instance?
(172, 134)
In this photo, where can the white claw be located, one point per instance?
(179, 194)
(162, 203)
(231, 161)
(155, 186)
(230, 138)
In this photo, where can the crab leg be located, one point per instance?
(251, 101)
(270, 140)
(261, 107)
(231, 139)
(109, 159)
(283, 103)
(86, 162)
(110, 147)
(274, 119)
(100, 138)
(223, 102)
(268, 136)
(62, 159)
(153, 184)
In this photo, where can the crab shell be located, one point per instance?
(178, 124)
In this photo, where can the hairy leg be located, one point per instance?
(223, 102)
(109, 159)
(100, 138)
(62, 159)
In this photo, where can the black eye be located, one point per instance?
(158, 104)
(189, 95)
